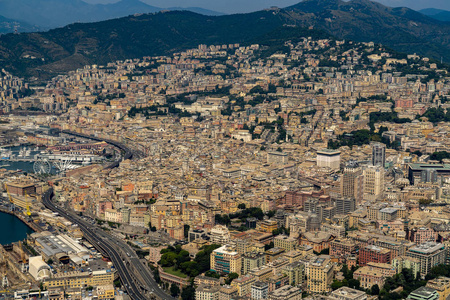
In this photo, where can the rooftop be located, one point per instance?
(285, 291)
(347, 292)
(420, 167)
(427, 248)
(422, 292)
(328, 152)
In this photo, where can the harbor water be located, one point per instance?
(12, 229)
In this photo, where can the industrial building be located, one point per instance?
(38, 268)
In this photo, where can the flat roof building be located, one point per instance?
(346, 293)
(327, 158)
(430, 254)
(277, 157)
(207, 292)
(226, 260)
(371, 253)
(418, 173)
(319, 275)
(286, 292)
(423, 293)
(285, 242)
(260, 290)
(441, 285)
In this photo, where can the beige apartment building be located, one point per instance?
(319, 275)
(285, 242)
(352, 181)
(80, 279)
(373, 183)
(226, 259)
(441, 285)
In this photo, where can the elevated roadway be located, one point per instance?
(136, 277)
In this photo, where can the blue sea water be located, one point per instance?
(12, 229)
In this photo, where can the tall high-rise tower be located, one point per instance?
(378, 154)
(352, 185)
(373, 182)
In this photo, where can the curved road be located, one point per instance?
(127, 152)
(135, 276)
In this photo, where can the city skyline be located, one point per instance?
(256, 156)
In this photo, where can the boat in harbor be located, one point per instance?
(5, 154)
(21, 153)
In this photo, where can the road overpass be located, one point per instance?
(136, 277)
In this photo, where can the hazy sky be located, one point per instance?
(239, 6)
(418, 4)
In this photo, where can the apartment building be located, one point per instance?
(319, 275)
(226, 260)
(430, 254)
(375, 254)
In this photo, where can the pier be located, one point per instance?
(15, 159)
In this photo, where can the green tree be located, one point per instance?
(174, 290)
(375, 290)
(425, 201)
(256, 90)
(190, 268)
(202, 258)
(231, 277)
(188, 293)
(212, 274)
(269, 246)
(182, 257)
(241, 206)
(156, 276)
(439, 156)
(324, 251)
(271, 213)
(168, 259)
(186, 230)
(338, 284)
(417, 152)
(222, 219)
(354, 283)
(117, 283)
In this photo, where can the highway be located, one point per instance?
(127, 152)
(136, 277)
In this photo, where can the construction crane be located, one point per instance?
(28, 212)
(23, 258)
(5, 282)
(10, 198)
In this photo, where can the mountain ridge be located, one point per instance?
(9, 26)
(75, 45)
(401, 28)
(438, 14)
(198, 10)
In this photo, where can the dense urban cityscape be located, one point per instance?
(316, 168)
